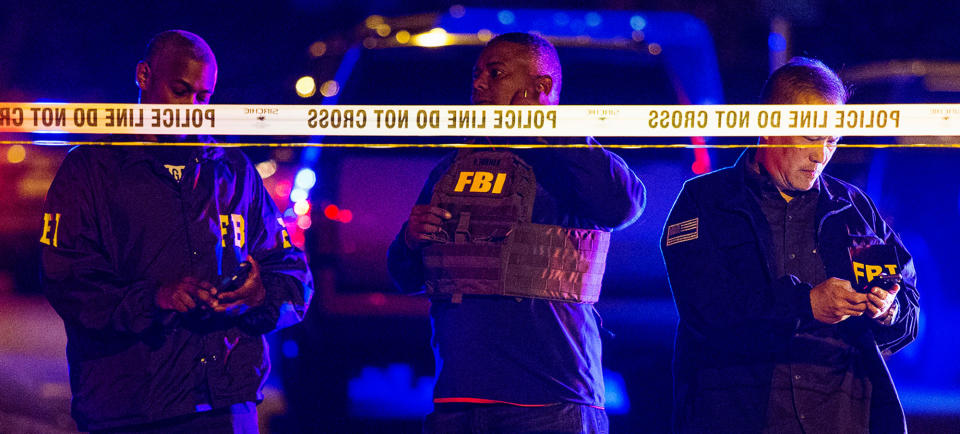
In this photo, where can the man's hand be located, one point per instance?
(880, 301)
(834, 300)
(186, 295)
(423, 225)
(249, 295)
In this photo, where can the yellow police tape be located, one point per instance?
(470, 145)
(468, 120)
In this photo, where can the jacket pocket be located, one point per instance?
(740, 251)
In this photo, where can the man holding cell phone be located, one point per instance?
(132, 238)
(777, 332)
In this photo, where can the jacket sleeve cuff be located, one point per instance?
(139, 308)
(264, 318)
(405, 265)
(891, 316)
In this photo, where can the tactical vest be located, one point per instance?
(490, 247)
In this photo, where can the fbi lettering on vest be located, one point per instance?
(480, 182)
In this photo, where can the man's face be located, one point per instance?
(798, 167)
(503, 75)
(176, 79)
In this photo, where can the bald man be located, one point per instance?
(178, 68)
(134, 240)
(510, 245)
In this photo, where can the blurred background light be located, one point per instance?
(436, 37)
(306, 86)
(330, 88)
(16, 154)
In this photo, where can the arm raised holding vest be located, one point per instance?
(603, 187)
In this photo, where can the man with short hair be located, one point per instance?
(773, 336)
(510, 245)
(133, 238)
(178, 68)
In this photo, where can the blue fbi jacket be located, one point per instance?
(523, 350)
(118, 226)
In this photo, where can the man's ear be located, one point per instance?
(544, 84)
(143, 75)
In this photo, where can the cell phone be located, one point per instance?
(232, 282)
(884, 281)
(229, 283)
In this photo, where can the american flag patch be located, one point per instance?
(683, 231)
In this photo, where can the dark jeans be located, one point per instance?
(496, 418)
(236, 419)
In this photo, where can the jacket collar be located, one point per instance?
(137, 154)
(830, 201)
(740, 200)
(827, 191)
